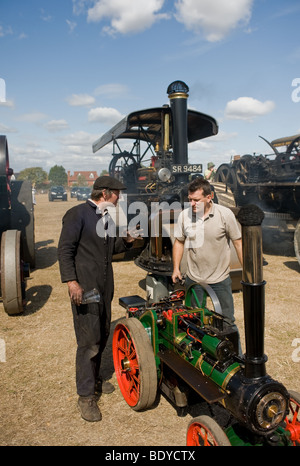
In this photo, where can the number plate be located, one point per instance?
(188, 168)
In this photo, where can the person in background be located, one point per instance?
(210, 173)
(85, 253)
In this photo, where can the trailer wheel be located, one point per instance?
(203, 431)
(134, 364)
(292, 420)
(12, 281)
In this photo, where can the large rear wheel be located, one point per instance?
(226, 174)
(12, 276)
(134, 364)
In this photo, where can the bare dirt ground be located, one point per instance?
(38, 400)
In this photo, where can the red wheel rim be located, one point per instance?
(293, 421)
(126, 365)
(200, 436)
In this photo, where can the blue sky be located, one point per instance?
(73, 69)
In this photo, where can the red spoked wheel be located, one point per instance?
(134, 364)
(203, 431)
(292, 420)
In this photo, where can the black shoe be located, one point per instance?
(89, 409)
(103, 386)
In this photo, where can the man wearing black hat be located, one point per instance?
(85, 261)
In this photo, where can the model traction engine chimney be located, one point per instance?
(251, 217)
(178, 95)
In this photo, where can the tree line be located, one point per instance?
(57, 176)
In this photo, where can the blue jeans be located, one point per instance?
(224, 294)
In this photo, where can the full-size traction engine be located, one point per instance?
(183, 347)
(157, 171)
(16, 235)
(272, 182)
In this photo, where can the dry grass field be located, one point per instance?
(38, 400)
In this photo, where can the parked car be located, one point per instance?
(74, 191)
(58, 192)
(83, 194)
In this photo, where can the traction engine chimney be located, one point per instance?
(251, 217)
(178, 95)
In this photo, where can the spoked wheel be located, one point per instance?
(243, 169)
(134, 364)
(225, 174)
(12, 277)
(203, 431)
(292, 420)
(122, 163)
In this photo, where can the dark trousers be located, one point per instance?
(91, 334)
(224, 294)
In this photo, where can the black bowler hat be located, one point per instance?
(109, 182)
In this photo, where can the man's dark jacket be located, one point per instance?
(85, 256)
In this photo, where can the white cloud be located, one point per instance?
(76, 152)
(6, 129)
(80, 138)
(104, 114)
(2, 91)
(4, 31)
(7, 103)
(34, 117)
(127, 16)
(79, 6)
(80, 100)
(286, 10)
(208, 146)
(73, 151)
(56, 125)
(45, 17)
(71, 24)
(222, 137)
(112, 90)
(23, 36)
(29, 155)
(214, 19)
(247, 108)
